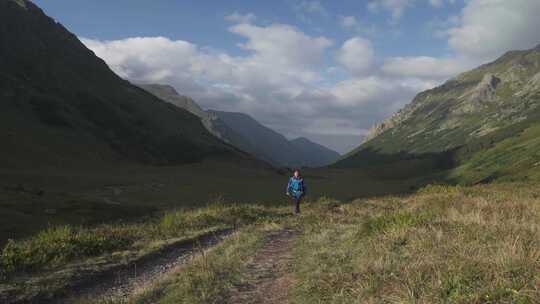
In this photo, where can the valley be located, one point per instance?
(121, 189)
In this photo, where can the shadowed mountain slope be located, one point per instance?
(210, 121)
(61, 104)
(245, 133)
(280, 150)
(313, 153)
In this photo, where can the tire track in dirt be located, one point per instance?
(121, 283)
(267, 276)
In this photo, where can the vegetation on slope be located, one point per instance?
(463, 123)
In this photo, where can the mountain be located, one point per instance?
(313, 153)
(483, 124)
(61, 104)
(210, 121)
(273, 146)
(247, 134)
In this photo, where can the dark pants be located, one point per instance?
(296, 204)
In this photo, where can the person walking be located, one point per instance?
(296, 189)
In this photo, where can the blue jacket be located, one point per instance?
(296, 187)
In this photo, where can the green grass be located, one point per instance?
(55, 246)
(443, 244)
(103, 195)
(209, 277)
(514, 158)
(46, 263)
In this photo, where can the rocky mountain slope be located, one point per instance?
(275, 147)
(471, 115)
(61, 104)
(315, 154)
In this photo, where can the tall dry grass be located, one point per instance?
(442, 245)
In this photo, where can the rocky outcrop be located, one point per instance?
(484, 91)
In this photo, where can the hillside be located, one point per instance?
(62, 105)
(210, 121)
(273, 146)
(313, 153)
(485, 122)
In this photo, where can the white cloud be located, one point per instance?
(241, 18)
(396, 8)
(284, 81)
(313, 7)
(356, 55)
(282, 45)
(436, 3)
(351, 23)
(483, 31)
(488, 28)
(425, 67)
(348, 22)
(281, 63)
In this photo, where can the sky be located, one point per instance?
(325, 70)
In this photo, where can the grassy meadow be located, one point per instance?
(45, 264)
(34, 200)
(364, 236)
(442, 244)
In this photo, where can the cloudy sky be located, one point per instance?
(327, 70)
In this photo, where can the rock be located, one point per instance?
(484, 90)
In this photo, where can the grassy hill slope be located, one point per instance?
(473, 122)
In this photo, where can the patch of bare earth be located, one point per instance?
(267, 277)
(120, 285)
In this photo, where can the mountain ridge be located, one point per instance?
(247, 134)
(283, 151)
(467, 119)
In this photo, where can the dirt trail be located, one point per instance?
(121, 283)
(268, 279)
